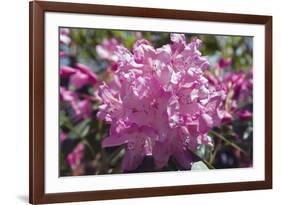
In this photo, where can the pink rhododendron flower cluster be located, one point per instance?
(159, 102)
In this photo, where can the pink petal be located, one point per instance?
(205, 123)
(131, 160)
(66, 71)
(79, 79)
(161, 154)
(184, 158)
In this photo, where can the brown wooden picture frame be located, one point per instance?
(37, 10)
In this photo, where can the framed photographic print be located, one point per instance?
(139, 102)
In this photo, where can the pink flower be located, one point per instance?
(74, 159)
(224, 62)
(92, 77)
(238, 87)
(138, 35)
(79, 79)
(64, 31)
(62, 54)
(245, 115)
(159, 103)
(63, 136)
(64, 36)
(79, 76)
(82, 108)
(106, 50)
(67, 95)
(227, 118)
(66, 71)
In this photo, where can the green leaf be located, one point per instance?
(80, 130)
(199, 166)
(129, 41)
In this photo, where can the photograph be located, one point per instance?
(143, 101)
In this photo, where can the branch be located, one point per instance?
(228, 141)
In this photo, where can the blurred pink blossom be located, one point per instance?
(67, 95)
(80, 75)
(224, 62)
(66, 71)
(92, 77)
(63, 136)
(245, 115)
(62, 54)
(138, 35)
(106, 50)
(64, 31)
(81, 108)
(64, 36)
(238, 87)
(79, 79)
(75, 158)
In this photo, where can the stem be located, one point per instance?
(115, 153)
(72, 129)
(85, 142)
(213, 156)
(203, 160)
(228, 142)
(208, 164)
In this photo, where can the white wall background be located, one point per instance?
(14, 100)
